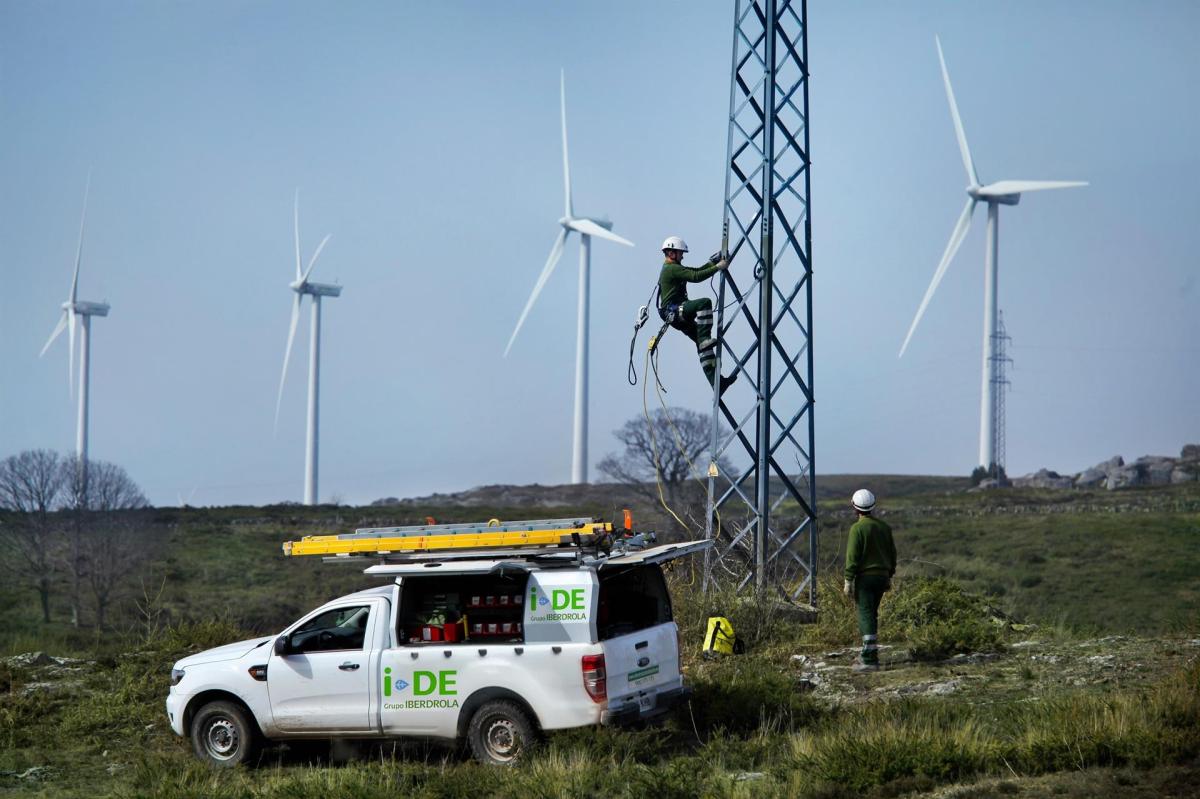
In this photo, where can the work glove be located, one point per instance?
(848, 588)
(719, 260)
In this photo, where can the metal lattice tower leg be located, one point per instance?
(763, 515)
(1000, 386)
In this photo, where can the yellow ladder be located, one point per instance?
(396, 540)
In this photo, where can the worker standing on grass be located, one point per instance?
(693, 318)
(870, 565)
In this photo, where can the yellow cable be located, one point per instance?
(679, 445)
(654, 445)
(683, 451)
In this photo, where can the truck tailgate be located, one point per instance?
(641, 664)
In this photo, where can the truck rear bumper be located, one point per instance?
(631, 713)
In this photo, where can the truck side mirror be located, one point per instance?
(283, 645)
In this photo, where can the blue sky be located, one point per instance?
(425, 138)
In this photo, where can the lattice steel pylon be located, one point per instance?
(999, 387)
(763, 515)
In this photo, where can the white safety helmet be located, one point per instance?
(863, 500)
(675, 243)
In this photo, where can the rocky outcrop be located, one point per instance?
(1098, 474)
(1115, 473)
(1044, 478)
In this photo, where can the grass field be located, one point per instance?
(1101, 696)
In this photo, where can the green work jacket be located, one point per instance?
(869, 549)
(673, 280)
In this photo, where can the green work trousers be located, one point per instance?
(694, 319)
(868, 592)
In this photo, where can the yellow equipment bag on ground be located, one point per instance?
(719, 639)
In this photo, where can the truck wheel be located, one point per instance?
(501, 733)
(223, 735)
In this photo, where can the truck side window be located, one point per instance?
(333, 630)
(632, 599)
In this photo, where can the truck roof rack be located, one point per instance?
(491, 539)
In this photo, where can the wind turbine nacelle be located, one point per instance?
(319, 289)
(88, 308)
(998, 199)
(604, 223)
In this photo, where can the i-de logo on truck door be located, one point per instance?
(424, 683)
(565, 604)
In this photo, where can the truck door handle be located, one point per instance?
(348, 666)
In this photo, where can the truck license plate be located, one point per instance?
(646, 701)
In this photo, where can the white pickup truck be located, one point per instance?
(491, 650)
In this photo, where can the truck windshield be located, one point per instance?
(632, 599)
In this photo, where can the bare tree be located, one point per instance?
(109, 490)
(673, 449)
(33, 484)
(113, 546)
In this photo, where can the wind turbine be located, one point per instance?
(586, 227)
(1003, 192)
(301, 286)
(71, 309)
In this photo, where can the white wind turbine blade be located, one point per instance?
(287, 355)
(58, 329)
(79, 247)
(592, 229)
(75, 287)
(1002, 187)
(958, 126)
(956, 240)
(296, 229)
(71, 347)
(562, 88)
(555, 254)
(313, 261)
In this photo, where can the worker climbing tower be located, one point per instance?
(763, 513)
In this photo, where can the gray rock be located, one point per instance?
(1044, 478)
(33, 773)
(30, 660)
(1124, 477)
(1155, 469)
(1098, 474)
(943, 688)
(1183, 474)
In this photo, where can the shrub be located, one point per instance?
(738, 694)
(940, 619)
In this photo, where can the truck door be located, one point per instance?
(323, 684)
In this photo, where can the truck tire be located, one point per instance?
(501, 734)
(224, 735)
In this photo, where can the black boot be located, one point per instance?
(726, 382)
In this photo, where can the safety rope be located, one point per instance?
(651, 364)
(654, 442)
(642, 317)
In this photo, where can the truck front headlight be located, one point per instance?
(176, 676)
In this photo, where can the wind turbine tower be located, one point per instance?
(79, 313)
(302, 286)
(586, 227)
(1003, 192)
